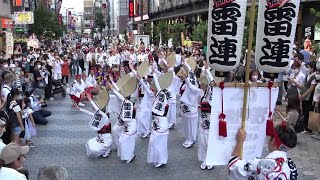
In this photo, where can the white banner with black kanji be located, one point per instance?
(275, 35)
(225, 33)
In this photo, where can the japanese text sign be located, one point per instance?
(23, 17)
(225, 32)
(275, 35)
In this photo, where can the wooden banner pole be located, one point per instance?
(248, 62)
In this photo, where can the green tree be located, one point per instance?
(246, 31)
(163, 28)
(316, 13)
(46, 23)
(175, 32)
(100, 21)
(200, 33)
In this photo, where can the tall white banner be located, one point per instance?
(220, 148)
(9, 44)
(275, 35)
(225, 33)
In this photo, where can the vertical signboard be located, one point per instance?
(225, 32)
(131, 8)
(9, 44)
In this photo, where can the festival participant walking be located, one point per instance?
(277, 165)
(158, 143)
(101, 144)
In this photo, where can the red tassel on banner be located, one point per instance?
(222, 125)
(270, 128)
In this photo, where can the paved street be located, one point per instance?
(62, 142)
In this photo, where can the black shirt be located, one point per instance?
(36, 75)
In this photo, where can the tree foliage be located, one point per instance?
(46, 23)
(100, 21)
(316, 13)
(246, 31)
(200, 32)
(175, 32)
(163, 28)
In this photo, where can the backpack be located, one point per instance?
(299, 126)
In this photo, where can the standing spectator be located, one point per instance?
(48, 88)
(295, 80)
(39, 82)
(6, 87)
(65, 70)
(57, 72)
(14, 111)
(316, 100)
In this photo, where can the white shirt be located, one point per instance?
(11, 174)
(5, 90)
(178, 60)
(89, 57)
(133, 58)
(91, 79)
(57, 66)
(300, 78)
(2, 145)
(316, 95)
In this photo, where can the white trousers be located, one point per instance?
(172, 114)
(157, 149)
(126, 146)
(116, 132)
(143, 122)
(96, 148)
(190, 126)
(202, 146)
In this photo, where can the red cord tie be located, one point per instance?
(270, 125)
(222, 116)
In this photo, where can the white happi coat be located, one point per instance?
(274, 167)
(158, 143)
(91, 80)
(125, 131)
(76, 89)
(100, 144)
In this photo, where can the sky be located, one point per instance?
(76, 4)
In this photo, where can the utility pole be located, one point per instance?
(141, 16)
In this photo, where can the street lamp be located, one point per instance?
(67, 19)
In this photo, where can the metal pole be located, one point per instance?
(141, 16)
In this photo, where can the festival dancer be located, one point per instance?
(144, 112)
(189, 105)
(205, 106)
(157, 148)
(76, 92)
(125, 131)
(101, 144)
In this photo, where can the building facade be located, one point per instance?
(88, 14)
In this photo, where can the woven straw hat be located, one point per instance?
(165, 80)
(143, 69)
(129, 87)
(171, 59)
(123, 80)
(102, 98)
(204, 80)
(192, 63)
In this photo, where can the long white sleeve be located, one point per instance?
(209, 75)
(146, 88)
(95, 107)
(118, 94)
(87, 112)
(156, 82)
(191, 86)
(115, 86)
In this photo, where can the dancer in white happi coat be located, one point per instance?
(126, 128)
(101, 144)
(144, 112)
(157, 148)
(205, 106)
(189, 106)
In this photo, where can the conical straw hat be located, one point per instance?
(171, 59)
(143, 69)
(123, 80)
(165, 80)
(129, 87)
(192, 63)
(102, 98)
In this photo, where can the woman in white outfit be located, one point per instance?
(189, 106)
(144, 112)
(205, 106)
(157, 148)
(126, 128)
(101, 144)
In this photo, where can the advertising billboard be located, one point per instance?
(23, 17)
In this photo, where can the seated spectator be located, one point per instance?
(39, 115)
(52, 173)
(12, 156)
